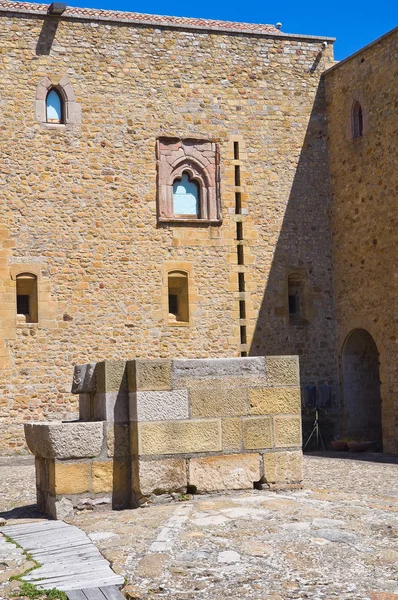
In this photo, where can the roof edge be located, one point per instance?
(213, 26)
(358, 52)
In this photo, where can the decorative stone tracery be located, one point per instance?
(199, 159)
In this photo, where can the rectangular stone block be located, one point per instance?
(178, 437)
(217, 400)
(231, 434)
(287, 431)
(283, 467)
(159, 476)
(232, 472)
(152, 375)
(159, 405)
(257, 433)
(102, 476)
(111, 376)
(265, 401)
(283, 370)
(70, 478)
(218, 367)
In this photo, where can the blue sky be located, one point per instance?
(354, 23)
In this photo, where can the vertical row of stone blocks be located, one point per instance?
(155, 426)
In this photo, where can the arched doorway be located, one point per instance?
(361, 388)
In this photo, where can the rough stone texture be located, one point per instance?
(64, 440)
(102, 476)
(283, 370)
(287, 431)
(234, 472)
(160, 476)
(89, 227)
(263, 401)
(218, 367)
(161, 405)
(363, 181)
(218, 400)
(118, 439)
(231, 434)
(152, 375)
(176, 437)
(257, 433)
(71, 478)
(283, 467)
(111, 376)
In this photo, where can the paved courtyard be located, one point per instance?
(335, 538)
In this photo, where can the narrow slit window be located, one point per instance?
(295, 295)
(54, 107)
(178, 297)
(185, 196)
(357, 120)
(27, 305)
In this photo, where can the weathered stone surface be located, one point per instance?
(111, 406)
(232, 472)
(153, 375)
(231, 434)
(160, 476)
(102, 476)
(84, 381)
(283, 370)
(64, 440)
(111, 376)
(264, 401)
(219, 367)
(287, 431)
(118, 439)
(62, 508)
(159, 405)
(283, 467)
(218, 401)
(257, 433)
(70, 478)
(176, 437)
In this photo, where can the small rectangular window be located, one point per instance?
(23, 304)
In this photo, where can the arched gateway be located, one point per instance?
(361, 388)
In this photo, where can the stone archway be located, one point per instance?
(361, 387)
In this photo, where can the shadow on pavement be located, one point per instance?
(376, 457)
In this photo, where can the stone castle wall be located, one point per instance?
(364, 180)
(79, 202)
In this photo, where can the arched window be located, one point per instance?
(185, 196)
(357, 120)
(27, 305)
(177, 282)
(54, 107)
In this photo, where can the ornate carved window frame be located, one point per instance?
(200, 159)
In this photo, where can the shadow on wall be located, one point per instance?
(297, 314)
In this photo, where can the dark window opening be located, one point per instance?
(293, 305)
(23, 304)
(173, 304)
(357, 120)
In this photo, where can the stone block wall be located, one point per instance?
(79, 202)
(364, 206)
(187, 425)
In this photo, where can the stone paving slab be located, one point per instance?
(336, 538)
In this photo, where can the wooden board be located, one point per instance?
(69, 560)
(101, 593)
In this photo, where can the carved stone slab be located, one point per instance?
(84, 381)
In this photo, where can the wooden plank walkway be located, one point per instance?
(101, 593)
(69, 560)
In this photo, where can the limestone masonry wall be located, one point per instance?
(364, 209)
(171, 426)
(78, 204)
